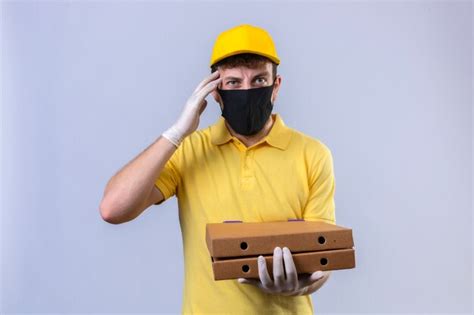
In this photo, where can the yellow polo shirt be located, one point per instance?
(216, 177)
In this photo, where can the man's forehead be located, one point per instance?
(243, 71)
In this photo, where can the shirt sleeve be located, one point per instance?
(320, 204)
(169, 178)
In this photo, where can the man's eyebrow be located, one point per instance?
(264, 73)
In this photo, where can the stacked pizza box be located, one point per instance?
(234, 246)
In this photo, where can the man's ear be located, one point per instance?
(217, 97)
(276, 88)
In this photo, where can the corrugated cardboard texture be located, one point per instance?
(226, 240)
(304, 262)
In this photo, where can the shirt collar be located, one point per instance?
(279, 136)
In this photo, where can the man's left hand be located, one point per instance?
(291, 285)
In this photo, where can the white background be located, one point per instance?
(86, 86)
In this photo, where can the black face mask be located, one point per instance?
(247, 111)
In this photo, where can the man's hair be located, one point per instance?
(248, 60)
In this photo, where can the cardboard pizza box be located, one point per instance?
(307, 262)
(245, 239)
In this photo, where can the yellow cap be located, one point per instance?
(244, 38)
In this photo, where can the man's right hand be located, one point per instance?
(188, 122)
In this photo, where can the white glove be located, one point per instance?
(195, 105)
(289, 286)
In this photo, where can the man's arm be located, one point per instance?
(132, 189)
(129, 192)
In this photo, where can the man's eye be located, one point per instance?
(230, 81)
(263, 80)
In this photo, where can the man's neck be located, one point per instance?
(250, 140)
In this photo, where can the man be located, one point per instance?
(248, 166)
